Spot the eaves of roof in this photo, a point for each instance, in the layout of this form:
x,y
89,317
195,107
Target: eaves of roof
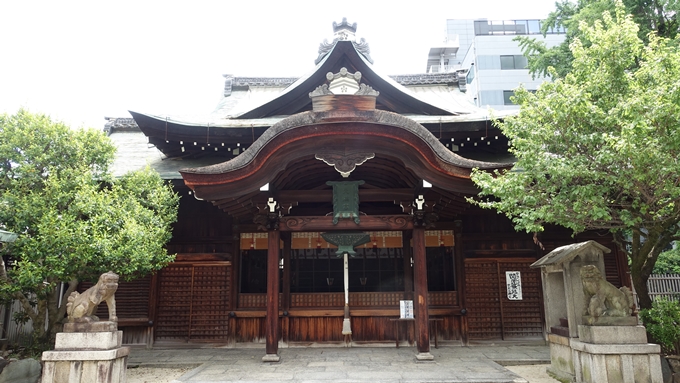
x,y
269,121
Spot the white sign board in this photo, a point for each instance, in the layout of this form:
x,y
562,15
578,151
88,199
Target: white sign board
x,y
513,280
406,309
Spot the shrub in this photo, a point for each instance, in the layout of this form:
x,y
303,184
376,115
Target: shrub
x,y
663,324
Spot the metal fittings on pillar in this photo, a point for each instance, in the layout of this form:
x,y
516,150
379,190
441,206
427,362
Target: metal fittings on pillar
x,y
422,213
268,218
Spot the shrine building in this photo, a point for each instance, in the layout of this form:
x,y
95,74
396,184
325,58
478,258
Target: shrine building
x,y
333,209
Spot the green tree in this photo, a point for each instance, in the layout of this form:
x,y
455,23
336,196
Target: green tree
x,y
599,148
73,219
651,16
668,262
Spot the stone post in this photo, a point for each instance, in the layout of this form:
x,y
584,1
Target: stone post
x,y
87,353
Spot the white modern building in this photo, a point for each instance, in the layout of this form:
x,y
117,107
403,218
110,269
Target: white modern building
x,y
494,62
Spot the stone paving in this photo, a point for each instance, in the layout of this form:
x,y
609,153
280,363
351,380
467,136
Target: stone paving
x,y
474,364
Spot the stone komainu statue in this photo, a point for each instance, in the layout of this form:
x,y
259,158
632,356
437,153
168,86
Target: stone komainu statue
x,y
81,307
602,298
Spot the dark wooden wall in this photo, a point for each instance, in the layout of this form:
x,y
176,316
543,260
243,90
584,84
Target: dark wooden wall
x,y
200,227
193,301
196,298
490,247
134,309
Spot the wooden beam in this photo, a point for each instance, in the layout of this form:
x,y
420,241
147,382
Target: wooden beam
x,y
241,211
230,202
368,222
365,195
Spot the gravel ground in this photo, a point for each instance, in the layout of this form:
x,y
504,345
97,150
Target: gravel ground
x,y
154,375
533,373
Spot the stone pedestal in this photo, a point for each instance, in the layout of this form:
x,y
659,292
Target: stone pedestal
x,y
87,353
605,354
561,358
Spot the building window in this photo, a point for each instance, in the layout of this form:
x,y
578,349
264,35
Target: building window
x,y
320,270
441,274
507,94
470,75
253,271
513,27
315,268
513,62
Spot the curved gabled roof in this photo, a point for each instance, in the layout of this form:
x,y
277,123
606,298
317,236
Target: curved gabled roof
x,y
303,135
393,96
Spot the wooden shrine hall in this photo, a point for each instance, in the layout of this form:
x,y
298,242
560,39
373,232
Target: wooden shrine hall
x,y
312,207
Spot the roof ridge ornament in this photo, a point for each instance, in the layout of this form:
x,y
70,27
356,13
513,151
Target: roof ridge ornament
x,y
362,47
344,83
344,32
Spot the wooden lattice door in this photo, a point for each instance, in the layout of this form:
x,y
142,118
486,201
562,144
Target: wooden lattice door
x,y
491,314
193,302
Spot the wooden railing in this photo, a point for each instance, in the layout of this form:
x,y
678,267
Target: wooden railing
x,y
337,300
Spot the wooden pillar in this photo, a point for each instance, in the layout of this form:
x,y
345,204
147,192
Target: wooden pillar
x,y
235,287
285,304
460,279
408,268
235,272
420,301
153,308
272,325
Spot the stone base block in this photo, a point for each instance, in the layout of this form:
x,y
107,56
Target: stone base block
x,y
561,358
612,334
610,321
424,356
104,326
271,358
613,363
88,340
108,366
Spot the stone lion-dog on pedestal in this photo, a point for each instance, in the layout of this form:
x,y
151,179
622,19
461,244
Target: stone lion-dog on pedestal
x,y
81,307
602,298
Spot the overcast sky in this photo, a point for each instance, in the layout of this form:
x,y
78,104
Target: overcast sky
x,y
80,61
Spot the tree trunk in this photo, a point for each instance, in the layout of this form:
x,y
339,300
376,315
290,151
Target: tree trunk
x,y
637,261
39,325
56,313
640,284
643,256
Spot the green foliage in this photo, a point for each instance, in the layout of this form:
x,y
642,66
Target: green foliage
x,y
663,324
75,221
598,148
30,345
668,262
659,17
